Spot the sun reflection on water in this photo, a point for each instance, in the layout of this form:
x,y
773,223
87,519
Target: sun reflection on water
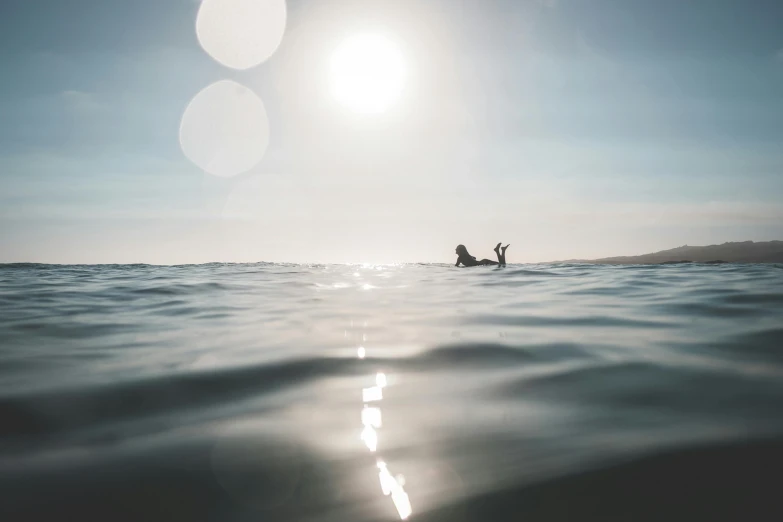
x,y
372,394
370,438
372,421
394,487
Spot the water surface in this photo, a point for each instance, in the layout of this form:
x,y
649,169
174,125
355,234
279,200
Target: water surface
x,y
239,392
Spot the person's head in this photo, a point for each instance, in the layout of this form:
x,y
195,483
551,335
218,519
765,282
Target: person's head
x,y
461,251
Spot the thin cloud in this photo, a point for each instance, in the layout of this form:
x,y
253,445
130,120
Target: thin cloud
x,y
708,213
80,101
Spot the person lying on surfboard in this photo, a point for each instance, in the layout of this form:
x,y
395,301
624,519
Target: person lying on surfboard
x,y
468,260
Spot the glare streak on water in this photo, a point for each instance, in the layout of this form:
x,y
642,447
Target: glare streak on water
x,y
296,391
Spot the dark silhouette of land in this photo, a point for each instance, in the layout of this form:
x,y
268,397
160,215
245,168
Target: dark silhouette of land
x,y
740,252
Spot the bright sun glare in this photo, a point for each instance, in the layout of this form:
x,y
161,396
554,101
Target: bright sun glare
x,y
368,73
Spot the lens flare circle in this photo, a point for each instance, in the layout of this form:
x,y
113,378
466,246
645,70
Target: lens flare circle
x,y
241,34
367,73
225,129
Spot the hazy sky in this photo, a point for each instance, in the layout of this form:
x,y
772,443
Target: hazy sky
x,y
568,128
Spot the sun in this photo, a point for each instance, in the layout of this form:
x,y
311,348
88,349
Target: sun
x,y
368,73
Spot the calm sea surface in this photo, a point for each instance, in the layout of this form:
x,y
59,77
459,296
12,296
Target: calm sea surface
x,y
274,392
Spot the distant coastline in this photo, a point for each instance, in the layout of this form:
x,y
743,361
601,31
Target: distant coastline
x,y
737,252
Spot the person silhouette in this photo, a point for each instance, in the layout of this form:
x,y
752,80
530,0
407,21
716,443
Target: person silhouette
x,y
464,257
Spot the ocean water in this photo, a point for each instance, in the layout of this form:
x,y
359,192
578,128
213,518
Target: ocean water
x,y
277,392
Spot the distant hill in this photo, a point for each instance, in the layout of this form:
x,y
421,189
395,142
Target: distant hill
x,y
741,252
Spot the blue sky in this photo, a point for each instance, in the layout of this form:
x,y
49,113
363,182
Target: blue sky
x,y
569,128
